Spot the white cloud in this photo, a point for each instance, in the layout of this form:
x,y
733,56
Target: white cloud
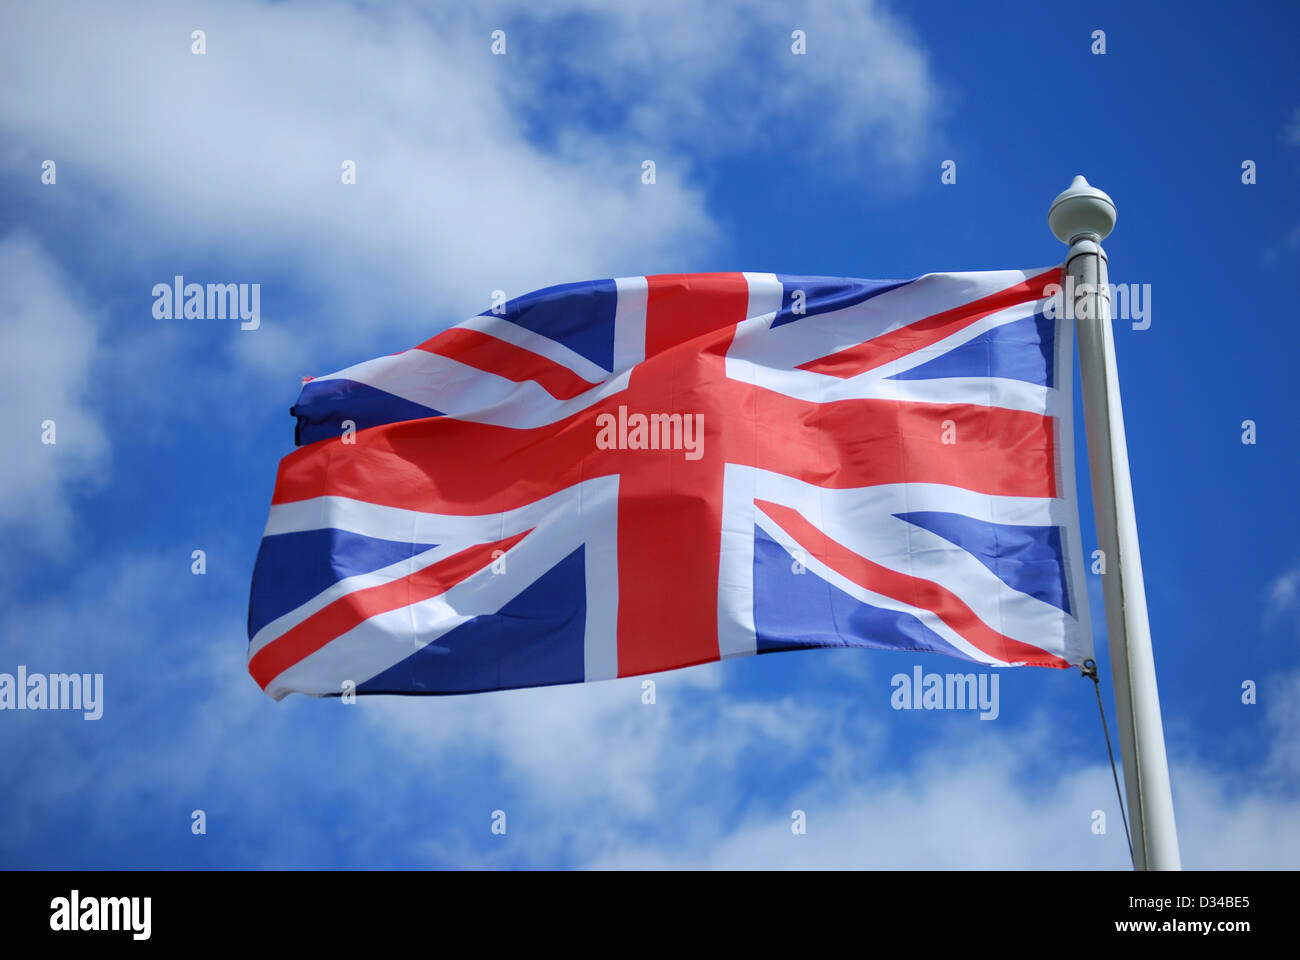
x,y
723,75
611,783
1282,599
956,807
1291,133
233,158
593,744
1285,591
1282,712
47,343
974,808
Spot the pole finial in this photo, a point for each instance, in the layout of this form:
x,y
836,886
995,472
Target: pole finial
x,y
1081,211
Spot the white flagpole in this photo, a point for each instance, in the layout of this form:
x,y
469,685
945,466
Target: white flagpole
x,y
1083,216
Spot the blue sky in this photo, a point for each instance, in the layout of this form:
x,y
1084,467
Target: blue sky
x,y
479,172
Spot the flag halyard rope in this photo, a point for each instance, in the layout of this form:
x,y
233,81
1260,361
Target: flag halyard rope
x,y
1089,669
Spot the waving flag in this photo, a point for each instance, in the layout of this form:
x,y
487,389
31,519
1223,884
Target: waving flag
x,y
627,476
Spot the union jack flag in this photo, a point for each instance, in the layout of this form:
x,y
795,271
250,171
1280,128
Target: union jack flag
x,y
626,476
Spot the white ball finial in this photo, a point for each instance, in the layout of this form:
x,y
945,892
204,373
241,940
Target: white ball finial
x,y
1081,211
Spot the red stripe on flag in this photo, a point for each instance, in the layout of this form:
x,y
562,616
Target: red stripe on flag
x,y
356,608
669,530
669,507
484,352
864,442
915,591
682,306
922,333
